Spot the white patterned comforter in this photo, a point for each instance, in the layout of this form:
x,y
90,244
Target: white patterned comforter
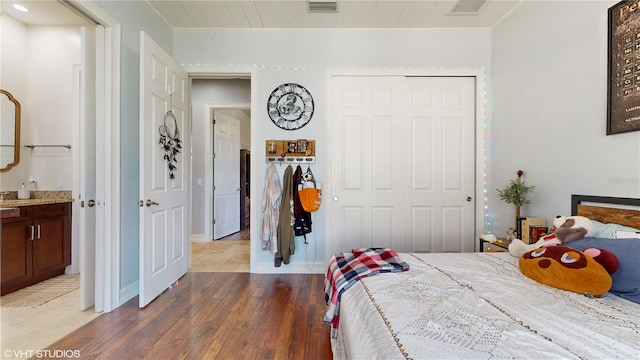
x,y
479,306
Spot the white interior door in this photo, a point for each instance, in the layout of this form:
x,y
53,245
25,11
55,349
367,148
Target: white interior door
x,y
441,119
403,168
226,175
367,176
87,171
164,206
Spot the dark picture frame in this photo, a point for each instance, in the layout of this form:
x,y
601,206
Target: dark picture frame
x,y
623,70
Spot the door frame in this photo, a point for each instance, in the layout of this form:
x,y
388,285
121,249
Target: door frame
x,y
107,132
481,118
213,72
209,159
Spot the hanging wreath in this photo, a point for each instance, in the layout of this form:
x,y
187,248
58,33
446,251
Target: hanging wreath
x,y
170,141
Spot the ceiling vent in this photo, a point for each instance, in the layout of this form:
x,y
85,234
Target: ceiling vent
x,y
467,7
323,5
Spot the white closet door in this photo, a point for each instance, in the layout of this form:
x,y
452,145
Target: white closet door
x,y
441,121
402,164
367,181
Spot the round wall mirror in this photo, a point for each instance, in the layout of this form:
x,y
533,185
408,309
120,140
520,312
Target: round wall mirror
x,y
9,131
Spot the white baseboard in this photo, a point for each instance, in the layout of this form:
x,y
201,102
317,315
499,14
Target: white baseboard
x,y
199,238
129,293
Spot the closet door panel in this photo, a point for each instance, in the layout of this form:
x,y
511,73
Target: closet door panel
x,y
403,156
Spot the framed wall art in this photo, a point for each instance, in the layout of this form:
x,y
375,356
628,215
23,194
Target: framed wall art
x,y
623,73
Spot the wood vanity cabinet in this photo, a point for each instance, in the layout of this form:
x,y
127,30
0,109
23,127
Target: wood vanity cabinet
x,y
36,245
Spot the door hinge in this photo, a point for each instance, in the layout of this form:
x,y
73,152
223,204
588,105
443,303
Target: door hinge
x,y
214,221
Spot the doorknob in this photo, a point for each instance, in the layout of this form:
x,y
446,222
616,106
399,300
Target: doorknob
x,y
468,198
91,203
149,203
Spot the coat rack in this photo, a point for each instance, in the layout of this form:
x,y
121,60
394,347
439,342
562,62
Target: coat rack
x,y
300,151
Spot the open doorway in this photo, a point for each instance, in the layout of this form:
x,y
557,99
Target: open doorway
x,y
221,159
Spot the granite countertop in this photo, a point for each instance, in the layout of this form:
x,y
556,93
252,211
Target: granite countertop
x,y
28,202
38,197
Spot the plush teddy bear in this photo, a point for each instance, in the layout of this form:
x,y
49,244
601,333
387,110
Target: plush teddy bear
x,y
564,229
569,228
517,247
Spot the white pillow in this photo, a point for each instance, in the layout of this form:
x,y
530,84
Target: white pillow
x,y
607,231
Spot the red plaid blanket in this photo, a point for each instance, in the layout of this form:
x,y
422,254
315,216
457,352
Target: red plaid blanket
x,y
345,269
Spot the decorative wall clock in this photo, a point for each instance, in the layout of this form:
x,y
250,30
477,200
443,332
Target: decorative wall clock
x,y
290,106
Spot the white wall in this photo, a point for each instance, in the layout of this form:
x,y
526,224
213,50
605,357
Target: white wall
x,y
302,56
37,68
133,17
53,51
549,110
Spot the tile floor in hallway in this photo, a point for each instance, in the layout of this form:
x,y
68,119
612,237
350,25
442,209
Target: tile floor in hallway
x,y
220,256
23,330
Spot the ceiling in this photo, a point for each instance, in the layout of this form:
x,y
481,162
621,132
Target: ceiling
x,y
286,14
42,13
350,14
290,14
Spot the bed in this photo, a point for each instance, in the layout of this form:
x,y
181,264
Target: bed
x,y
480,306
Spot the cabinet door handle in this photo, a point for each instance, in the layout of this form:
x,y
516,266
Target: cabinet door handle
x,y
31,237
38,237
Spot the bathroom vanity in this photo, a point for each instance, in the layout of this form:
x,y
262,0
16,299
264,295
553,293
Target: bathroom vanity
x,y
36,241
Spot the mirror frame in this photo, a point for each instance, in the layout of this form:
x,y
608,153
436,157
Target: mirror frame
x,y
16,143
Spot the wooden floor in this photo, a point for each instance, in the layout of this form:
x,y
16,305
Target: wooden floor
x,y
214,316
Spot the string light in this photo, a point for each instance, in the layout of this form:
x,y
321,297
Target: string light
x,y
263,66
320,69
485,134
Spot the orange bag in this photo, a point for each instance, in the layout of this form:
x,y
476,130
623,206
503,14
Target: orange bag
x,y
310,194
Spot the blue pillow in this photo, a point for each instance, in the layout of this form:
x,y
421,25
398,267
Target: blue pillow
x,y
626,281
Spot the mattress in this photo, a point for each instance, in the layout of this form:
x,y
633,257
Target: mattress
x,y
479,306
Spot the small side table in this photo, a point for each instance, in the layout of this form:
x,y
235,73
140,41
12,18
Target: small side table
x,y
497,246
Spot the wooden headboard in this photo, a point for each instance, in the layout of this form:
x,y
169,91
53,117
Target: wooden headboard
x,y
622,211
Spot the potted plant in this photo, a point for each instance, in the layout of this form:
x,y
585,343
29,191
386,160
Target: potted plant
x,y
516,193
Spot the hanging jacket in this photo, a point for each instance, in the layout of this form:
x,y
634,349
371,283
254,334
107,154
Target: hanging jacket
x,y
270,209
286,245
302,222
